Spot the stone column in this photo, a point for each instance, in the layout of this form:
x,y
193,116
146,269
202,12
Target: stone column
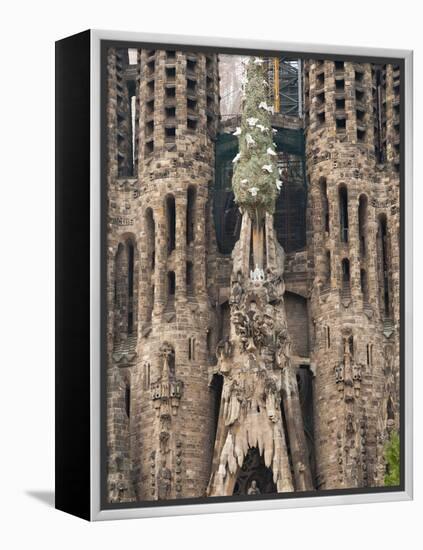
x,y
295,428
389,114
160,286
370,130
354,248
181,248
372,271
200,247
351,122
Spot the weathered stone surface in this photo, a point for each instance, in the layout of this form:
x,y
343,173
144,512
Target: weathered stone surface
x,y
173,298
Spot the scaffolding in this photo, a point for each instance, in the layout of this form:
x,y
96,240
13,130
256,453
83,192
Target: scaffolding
x,y
285,81
291,203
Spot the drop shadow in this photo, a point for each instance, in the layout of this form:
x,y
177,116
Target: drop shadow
x,y
46,497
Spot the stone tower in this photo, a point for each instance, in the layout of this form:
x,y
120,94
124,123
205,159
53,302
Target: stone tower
x,y
160,313
352,137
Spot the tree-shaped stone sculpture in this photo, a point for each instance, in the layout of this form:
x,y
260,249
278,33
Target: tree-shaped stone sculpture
x,y
259,379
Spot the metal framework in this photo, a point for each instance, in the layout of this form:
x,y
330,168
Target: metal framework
x,y
285,80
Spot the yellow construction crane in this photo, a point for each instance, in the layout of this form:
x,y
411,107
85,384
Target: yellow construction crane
x,y
277,102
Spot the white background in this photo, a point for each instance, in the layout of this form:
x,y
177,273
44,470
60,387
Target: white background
x,y
27,37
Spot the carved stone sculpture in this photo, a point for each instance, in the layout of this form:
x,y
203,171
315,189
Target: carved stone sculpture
x,y
164,482
253,489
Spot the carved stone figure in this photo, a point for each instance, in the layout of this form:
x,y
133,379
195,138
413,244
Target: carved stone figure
x,y
164,482
236,291
339,374
253,489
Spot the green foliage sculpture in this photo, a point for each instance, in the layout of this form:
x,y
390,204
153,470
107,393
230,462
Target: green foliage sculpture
x,y
256,178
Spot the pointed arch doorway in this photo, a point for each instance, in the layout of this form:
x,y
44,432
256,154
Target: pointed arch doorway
x,y
254,470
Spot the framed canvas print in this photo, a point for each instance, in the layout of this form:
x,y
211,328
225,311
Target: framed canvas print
x,y
234,299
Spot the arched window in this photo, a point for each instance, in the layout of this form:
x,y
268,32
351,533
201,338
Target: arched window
x,y
171,223
171,283
191,214
346,271
119,276
190,278
130,287
128,401
150,236
209,339
351,345
150,228
124,289
343,213
346,288
362,224
216,387
191,348
325,204
383,264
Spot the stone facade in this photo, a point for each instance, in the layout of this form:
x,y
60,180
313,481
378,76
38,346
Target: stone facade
x,y
170,290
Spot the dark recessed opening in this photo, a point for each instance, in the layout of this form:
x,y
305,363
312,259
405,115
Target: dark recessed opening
x,y
321,118
343,213
128,401
170,112
191,104
340,104
150,87
340,124
191,64
191,84
149,147
171,222
149,127
151,66
171,283
170,54
361,135
170,73
170,132
359,76
191,124
340,85
320,98
345,271
189,274
320,80
191,214
360,114
150,106
359,95
171,92
339,65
